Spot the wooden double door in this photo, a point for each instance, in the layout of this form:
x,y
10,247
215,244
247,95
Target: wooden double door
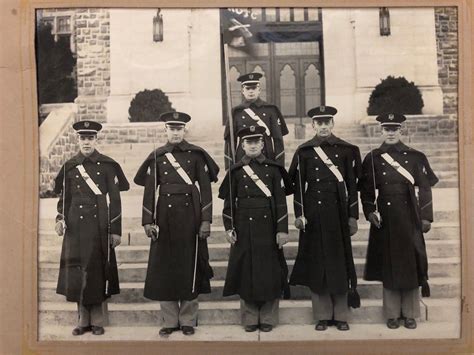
x,y
292,75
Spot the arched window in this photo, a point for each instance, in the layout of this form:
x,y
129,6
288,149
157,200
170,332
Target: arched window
x,y
235,93
288,91
263,82
312,88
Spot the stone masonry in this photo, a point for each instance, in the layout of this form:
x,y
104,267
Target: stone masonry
x,y
92,31
446,19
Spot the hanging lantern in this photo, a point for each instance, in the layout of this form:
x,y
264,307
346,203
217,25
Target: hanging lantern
x,y
158,27
384,19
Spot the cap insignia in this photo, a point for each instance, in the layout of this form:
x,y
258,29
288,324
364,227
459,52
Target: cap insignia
x,y
391,116
322,108
252,128
176,115
86,124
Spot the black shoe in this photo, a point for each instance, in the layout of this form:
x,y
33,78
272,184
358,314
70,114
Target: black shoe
x,y
322,325
97,330
266,327
187,330
392,323
342,326
251,328
410,323
167,331
80,330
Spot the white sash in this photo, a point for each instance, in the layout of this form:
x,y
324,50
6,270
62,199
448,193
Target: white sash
x,y
329,163
257,180
88,180
400,169
178,168
258,120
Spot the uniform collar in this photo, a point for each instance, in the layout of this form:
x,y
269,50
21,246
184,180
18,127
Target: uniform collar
x,y
93,157
258,103
399,147
332,140
246,159
183,145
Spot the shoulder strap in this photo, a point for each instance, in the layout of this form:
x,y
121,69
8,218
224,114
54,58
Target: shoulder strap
x,y
400,169
88,180
258,120
320,152
257,180
178,168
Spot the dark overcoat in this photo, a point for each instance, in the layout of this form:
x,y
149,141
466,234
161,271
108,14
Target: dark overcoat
x,y
272,117
324,261
396,253
256,270
83,266
180,209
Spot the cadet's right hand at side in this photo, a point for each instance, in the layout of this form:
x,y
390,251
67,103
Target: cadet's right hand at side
x,y
231,236
374,219
60,227
151,231
300,222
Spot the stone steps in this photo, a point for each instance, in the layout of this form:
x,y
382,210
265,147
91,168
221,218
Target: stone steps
x,y
223,312
220,251
136,272
439,231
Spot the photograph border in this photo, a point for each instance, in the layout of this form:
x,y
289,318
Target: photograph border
x,y
20,186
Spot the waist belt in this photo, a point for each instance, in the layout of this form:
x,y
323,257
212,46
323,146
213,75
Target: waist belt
x,y
176,189
254,202
84,200
393,189
323,186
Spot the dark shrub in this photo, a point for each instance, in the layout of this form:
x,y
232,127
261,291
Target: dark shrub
x,y
395,95
148,105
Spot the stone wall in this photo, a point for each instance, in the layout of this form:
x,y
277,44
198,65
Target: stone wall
x,y
439,127
446,19
145,132
92,30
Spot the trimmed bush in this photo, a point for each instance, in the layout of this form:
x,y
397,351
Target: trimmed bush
x,y
148,105
395,95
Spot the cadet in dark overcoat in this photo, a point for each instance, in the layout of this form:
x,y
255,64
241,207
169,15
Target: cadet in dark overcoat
x,y
324,171
253,111
178,223
256,221
396,253
91,228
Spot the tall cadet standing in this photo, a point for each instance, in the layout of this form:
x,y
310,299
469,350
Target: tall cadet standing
x,y
396,253
91,226
178,222
325,170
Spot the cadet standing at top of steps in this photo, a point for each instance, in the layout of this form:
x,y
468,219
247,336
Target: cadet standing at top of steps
x,y
178,223
396,253
91,226
325,171
256,221
253,111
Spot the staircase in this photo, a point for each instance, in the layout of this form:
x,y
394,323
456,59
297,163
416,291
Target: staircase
x,y
131,309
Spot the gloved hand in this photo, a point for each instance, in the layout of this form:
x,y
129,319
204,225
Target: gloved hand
x,y
151,231
300,222
60,227
115,240
231,236
282,239
375,220
353,228
425,226
205,229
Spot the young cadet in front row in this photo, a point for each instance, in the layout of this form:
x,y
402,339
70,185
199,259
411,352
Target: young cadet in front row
x,y
396,253
256,221
91,227
178,223
325,171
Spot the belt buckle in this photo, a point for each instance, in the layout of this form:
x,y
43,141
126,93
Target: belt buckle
x,y
254,177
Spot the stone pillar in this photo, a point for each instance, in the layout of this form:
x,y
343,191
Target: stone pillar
x,y
446,20
92,29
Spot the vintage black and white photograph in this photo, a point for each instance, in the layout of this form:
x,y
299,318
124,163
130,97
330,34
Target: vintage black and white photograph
x,y
248,174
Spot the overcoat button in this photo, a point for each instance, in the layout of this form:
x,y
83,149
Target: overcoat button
x,y
251,219
98,173
81,217
388,203
80,206
169,206
78,186
98,163
319,202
